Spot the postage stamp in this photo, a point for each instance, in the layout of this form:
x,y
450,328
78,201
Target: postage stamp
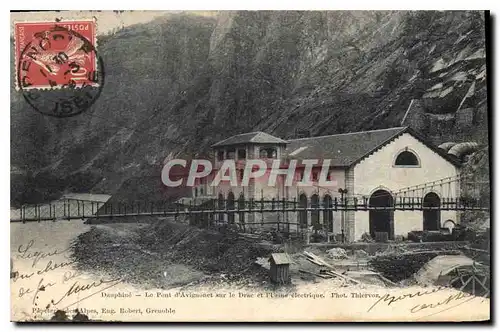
x,y
57,66
55,54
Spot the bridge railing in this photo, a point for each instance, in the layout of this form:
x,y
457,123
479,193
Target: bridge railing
x,y
61,209
79,209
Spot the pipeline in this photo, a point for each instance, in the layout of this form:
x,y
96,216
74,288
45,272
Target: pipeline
x,y
446,146
461,149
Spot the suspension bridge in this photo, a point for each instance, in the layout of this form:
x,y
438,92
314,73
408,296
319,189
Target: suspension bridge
x,y
404,199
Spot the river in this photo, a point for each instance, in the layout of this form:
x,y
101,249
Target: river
x,y
41,256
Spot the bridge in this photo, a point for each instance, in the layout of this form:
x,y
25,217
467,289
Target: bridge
x,y
405,199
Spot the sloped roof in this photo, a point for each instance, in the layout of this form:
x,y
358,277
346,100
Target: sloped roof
x,y
255,137
281,258
344,150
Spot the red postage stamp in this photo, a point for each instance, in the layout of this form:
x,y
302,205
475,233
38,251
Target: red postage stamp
x,y
55,54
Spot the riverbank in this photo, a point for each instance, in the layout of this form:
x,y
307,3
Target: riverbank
x,y
164,254
154,252
182,270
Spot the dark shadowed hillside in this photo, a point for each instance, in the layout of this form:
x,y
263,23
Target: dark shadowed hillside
x,y
180,83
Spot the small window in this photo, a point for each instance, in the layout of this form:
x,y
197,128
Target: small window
x,y
231,153
220,155
268,153
242,154
406,158
301,175
315,175
271,153
329,176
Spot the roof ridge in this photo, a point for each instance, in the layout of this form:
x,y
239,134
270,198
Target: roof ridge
x,y
228,138
251,132
350,133
251,137
260,133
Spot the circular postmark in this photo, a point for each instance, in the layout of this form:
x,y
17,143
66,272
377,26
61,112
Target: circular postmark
x,y
59,71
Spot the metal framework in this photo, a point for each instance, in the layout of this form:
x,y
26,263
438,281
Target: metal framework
x,y
69,209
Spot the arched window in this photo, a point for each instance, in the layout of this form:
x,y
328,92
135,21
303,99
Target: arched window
x,y
220,155
241,206
231,153
315,212
267,153
230,206
242,154
220,206
406,158
302,215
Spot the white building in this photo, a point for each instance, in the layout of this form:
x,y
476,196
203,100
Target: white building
x,y
374,167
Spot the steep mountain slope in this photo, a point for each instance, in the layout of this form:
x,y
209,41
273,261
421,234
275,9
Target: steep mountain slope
x,y
178,84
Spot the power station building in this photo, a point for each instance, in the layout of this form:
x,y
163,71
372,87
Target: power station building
x,y
375,167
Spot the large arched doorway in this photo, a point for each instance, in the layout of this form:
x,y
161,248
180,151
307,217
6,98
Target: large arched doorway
x,y
381,220
315,213
432,217
328,213
302,213
230,206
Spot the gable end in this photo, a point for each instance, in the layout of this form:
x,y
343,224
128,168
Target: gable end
x,y
451,159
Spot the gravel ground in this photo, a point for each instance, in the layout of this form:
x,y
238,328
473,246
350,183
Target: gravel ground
x,y
165,254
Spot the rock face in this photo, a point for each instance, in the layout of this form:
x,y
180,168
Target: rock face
x,y
178,84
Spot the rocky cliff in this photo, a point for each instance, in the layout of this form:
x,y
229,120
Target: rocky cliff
x,y
178,84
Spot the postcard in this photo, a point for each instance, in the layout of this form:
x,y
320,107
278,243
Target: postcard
x,y
250,166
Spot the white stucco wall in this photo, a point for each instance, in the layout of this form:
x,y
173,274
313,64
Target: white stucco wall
x,y
378,172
